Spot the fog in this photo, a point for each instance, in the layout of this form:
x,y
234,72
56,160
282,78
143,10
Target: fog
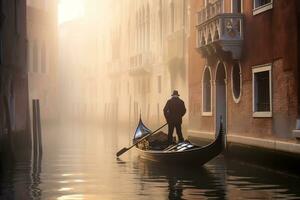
x,y
118,60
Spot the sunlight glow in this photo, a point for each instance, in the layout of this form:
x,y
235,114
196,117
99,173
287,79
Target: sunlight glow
x,y
67,175
72,196
70,9
65,189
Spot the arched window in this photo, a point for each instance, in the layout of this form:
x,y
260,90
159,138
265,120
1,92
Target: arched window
x,y
206,92
236,82
137,30
35,57
172,16
148,26
143,28
160,22
43,58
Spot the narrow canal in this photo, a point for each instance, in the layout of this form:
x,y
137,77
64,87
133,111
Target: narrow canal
x,y
79,163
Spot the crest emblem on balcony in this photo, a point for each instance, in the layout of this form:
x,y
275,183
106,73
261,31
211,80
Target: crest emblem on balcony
x,y
229,29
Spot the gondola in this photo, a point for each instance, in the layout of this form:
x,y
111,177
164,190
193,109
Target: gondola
x,y
184,153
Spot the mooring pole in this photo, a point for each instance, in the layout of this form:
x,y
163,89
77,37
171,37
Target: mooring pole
x,y
34,128
37,131
38,115
37,147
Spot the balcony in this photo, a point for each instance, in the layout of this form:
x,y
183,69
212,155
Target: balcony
x,y
140,64
219,31
210,11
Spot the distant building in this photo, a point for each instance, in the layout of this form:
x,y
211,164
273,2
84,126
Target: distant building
x,y
146,59
79,73
244,66
42,55
14,113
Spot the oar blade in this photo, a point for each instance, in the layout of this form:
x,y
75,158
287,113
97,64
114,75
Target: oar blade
x,y
121,152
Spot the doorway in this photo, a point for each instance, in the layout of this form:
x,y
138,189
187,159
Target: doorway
x,y
221,93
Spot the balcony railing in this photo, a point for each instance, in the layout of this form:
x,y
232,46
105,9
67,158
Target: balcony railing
x,y
140,64
224,31
210,11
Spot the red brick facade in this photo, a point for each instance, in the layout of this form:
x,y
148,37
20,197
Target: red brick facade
x,y
270,37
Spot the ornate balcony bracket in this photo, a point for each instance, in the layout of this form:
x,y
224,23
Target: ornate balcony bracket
x,y
223,32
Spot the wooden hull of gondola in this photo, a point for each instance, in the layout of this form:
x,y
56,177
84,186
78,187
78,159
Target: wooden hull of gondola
x,y
196,156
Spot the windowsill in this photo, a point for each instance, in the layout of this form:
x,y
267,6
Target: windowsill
x,y
206,114
262,114
296,134
263,8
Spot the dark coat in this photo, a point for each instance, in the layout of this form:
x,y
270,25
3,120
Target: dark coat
x,y
174,110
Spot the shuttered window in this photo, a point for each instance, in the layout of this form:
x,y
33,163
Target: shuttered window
x,y
262,91
206,93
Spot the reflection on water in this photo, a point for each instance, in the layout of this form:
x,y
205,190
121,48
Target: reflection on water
x,y
79,163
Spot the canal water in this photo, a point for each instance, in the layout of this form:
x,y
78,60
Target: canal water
x,y
79,162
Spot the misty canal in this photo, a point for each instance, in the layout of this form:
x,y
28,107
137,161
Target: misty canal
x,y
73,72
79,162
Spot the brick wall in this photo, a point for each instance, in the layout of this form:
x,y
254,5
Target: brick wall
x,y
269,37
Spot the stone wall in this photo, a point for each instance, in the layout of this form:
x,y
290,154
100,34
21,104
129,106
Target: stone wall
x,y
14,114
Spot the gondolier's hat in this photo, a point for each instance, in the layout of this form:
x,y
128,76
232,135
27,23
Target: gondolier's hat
x,y
175,93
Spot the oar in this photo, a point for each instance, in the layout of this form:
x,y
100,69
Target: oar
x,y
146,136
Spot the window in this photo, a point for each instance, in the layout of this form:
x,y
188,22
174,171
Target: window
x,y
236,82
160,23
27,55
43,58
128,87
260,6
148,85
35,57
159,84
236,6
206,93
172,16
262,91
148,27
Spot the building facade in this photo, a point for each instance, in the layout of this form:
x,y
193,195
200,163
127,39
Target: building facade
x,y
146,59
79,74
81,63
14,114
244,67
42,31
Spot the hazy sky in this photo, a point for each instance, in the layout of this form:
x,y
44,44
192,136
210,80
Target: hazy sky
x,y
70,9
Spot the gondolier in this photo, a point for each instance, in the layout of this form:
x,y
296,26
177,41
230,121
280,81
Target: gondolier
x,y
174,110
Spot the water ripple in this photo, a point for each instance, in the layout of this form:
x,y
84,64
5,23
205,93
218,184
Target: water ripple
x,y
82,165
